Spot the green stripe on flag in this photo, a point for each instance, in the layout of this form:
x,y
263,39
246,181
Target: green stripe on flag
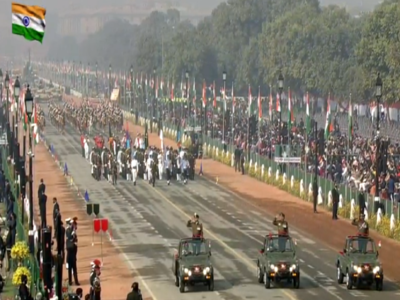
x,y
28,33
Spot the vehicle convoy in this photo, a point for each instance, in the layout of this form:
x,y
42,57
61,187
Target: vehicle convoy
x,y
358,263
192,264
277,261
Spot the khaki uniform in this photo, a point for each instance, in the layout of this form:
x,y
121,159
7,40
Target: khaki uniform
x,y
363,227
283,226
197,227
363,233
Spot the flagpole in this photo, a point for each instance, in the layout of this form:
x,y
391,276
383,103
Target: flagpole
x,y
224,112
259,123
232,121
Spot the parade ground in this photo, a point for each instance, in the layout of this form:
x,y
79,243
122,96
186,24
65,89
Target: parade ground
x,y
117,276
146,224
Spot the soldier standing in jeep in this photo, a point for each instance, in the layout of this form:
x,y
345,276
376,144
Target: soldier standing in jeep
x,y
363,231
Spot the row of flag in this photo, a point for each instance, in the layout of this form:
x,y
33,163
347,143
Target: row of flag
x,y
167,88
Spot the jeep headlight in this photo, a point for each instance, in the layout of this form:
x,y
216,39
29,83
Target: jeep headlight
x,y
186,270
274,268
206,271
376,269
292,268
355,268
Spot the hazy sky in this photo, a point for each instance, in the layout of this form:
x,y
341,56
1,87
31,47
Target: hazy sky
x,y
15,44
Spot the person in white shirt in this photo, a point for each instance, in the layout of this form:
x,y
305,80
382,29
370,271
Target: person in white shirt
x,y
168,166
134,169
160,165
141,143
119,155
86,146
184,168
91,161
149,164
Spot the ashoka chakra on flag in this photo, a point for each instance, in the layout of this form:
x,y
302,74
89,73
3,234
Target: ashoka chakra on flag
x,y
28,21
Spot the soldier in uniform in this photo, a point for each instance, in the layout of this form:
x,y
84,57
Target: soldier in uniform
x,y
149,166
363,232
196,225
184,167
114,172
160,165
283,230
168,166
91,159
104,161
335,202
119,160
134,168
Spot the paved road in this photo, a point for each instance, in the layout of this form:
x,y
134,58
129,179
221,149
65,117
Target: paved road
x,y
147,223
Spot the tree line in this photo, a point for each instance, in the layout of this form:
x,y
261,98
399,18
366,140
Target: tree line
x,y
321,50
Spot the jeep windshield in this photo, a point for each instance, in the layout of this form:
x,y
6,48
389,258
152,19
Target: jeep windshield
x,y
194,248
361,245
280,244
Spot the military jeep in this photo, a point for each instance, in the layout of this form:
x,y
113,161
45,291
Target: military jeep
x,y
358,263
192,264
277,261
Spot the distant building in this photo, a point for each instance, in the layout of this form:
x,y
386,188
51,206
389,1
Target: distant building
x,y
83,22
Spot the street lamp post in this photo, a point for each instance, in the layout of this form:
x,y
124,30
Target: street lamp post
x,y
17,89
1,97
223,115
6,83
315,179
378,94
280,87
87,77
109,82
153,102
187,95
16,145
97,81
131,78
29,111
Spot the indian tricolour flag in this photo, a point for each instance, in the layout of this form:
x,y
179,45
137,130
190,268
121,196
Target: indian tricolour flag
x,y
28,21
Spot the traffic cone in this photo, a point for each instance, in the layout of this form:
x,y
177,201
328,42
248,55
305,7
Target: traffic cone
x,y
86,196
201,169
65,169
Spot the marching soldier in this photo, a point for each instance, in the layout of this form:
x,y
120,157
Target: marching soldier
x,y
184,167
168,166
149,166
119,156
91,159
114,172
109,167
134,168
160,165
363,232
104,161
